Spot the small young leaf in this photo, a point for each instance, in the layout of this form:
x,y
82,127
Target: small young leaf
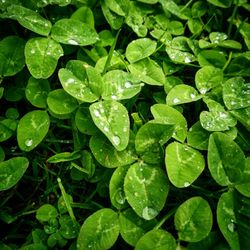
x,y
197,137
226,160
184,164
7,129
236,93
221,3
11,55
242,115
46,212
118,85
116,190
226,219
30,19
217,119
112,119
146,188
212,58
193,219
167,115
133,227
140,49
69,229
148,71
46,53
84,122
150,139
64,157
178,56
37,91
78,83
207,78
217,37
182,93
85,15
156,239
99,231
60,102
11,171
32,129
109,156
73,32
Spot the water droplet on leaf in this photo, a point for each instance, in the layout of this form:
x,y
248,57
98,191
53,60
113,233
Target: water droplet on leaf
x,y
149,213
73,42
186,184
97,113
116,140
119,197
176,100
29,142
128,85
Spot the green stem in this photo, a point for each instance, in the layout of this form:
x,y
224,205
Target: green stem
x,y
232,19
111,53
184,7
65,198
166,217
228,61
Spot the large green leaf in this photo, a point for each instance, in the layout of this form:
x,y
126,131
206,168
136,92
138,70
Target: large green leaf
x,y
244,188
118,85
41,55
11,55
184,164
99,231
30,19
156,239
109,156
193,219
73,32
133,227
32,128
226,160
167,115
11,171
111,117
242,214
236,93
242,115
140,49
146,188
227,221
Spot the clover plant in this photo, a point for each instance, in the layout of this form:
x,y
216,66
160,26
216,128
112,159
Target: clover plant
x,y
125,124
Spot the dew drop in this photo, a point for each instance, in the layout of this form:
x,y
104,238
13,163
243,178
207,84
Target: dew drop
x,y
187,60
106,129
48,53
231,227
203,91
102,110
97,113
222,115
70,80
149,213
176,100
32,51
192,96
28,142
186,184
128,85
119,197
116,140
113,97
73,42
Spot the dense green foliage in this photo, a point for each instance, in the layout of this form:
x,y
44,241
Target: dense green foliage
x,y
125,124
